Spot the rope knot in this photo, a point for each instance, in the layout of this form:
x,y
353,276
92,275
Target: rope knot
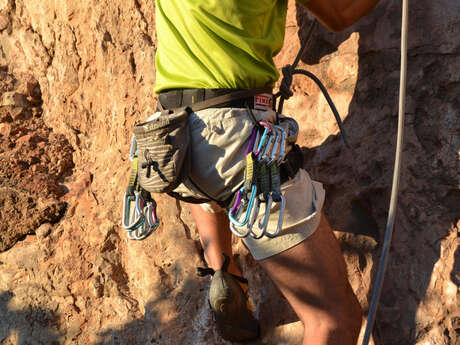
x,y
285,87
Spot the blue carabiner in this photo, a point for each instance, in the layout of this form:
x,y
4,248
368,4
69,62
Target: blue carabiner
x,y
248,211
233,229
261,145
254,212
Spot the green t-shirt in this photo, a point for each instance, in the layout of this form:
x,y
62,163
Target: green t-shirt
x,y
218,43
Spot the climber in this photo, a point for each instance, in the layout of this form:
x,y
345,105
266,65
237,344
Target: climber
x,y
212,48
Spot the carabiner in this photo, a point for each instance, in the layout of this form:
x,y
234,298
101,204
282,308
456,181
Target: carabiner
x,y
133,149
237,202
140,233
264,156
275,147
139,199
264,138
150,212
277,197
256,143
264,222
282,153
252,140
248,210
254,213
233,227
150,223
131,219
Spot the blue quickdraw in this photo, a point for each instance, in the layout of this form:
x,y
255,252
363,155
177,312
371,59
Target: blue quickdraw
x,y
252,197
261,183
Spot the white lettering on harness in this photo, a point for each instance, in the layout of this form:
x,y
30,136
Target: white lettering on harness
x,y
263,101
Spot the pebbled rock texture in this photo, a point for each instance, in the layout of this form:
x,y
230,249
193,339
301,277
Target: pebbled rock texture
x,y
76,76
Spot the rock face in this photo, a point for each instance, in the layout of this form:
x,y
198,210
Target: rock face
x,y
76,76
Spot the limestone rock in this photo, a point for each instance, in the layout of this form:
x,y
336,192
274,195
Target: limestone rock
x,y
85,74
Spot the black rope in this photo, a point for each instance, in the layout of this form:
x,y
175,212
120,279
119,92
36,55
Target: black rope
x,y
328,99
289,71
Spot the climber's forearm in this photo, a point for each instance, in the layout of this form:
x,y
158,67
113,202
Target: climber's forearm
x,y
338,15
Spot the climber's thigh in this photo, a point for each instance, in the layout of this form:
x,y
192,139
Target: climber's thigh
x,y
313,278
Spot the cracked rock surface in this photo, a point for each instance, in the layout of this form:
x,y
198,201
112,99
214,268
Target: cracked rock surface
x,y
76,76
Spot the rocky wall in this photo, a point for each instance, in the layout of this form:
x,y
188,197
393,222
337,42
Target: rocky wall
x,y
76,76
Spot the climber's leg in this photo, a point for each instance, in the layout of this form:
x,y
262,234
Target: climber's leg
x,y
313,278
216,237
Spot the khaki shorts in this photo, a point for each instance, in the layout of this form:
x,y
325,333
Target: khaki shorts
x,y
219,138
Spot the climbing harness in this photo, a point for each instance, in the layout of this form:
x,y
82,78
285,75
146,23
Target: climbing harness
x,y
160,155
396,175
262,181
160,159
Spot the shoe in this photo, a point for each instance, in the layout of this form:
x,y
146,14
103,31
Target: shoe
x,y
228,303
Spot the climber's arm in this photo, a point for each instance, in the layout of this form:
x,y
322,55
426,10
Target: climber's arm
x,y
338,15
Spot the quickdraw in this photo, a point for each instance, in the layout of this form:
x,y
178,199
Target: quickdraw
x,y
261,183
139,217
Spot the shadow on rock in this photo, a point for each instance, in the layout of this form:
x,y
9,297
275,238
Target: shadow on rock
x,y
181,315
178,315
358,181
27,326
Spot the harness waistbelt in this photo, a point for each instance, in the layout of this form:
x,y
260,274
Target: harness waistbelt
x,y
187,97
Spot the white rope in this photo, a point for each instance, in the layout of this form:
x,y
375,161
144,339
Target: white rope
x,y
396,175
